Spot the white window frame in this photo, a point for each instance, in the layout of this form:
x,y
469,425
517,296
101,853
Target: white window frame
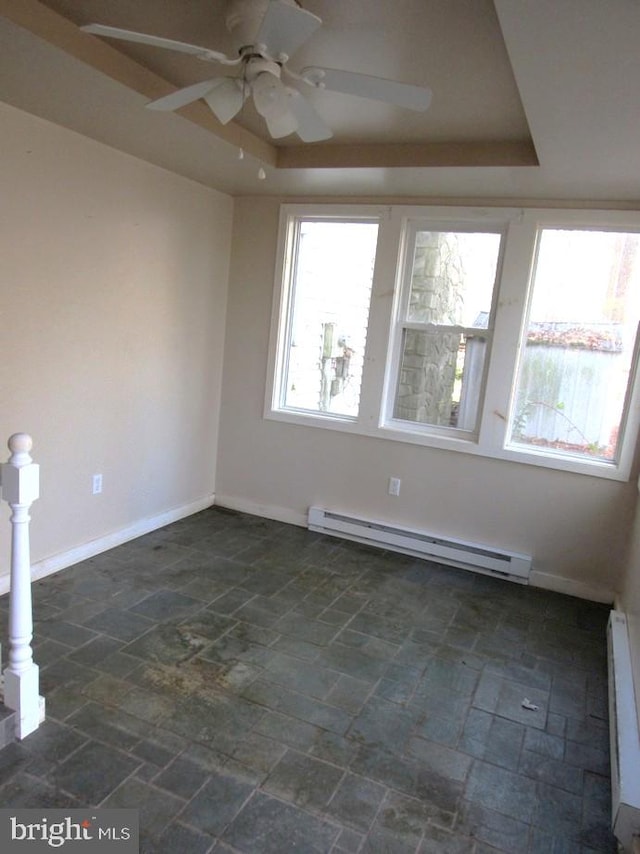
x,y
400,323
512,296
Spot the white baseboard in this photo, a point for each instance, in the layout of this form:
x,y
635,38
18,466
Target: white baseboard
x,y
268,511
558,584
53,564
50,565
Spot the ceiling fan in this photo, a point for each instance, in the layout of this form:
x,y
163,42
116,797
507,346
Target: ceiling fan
x,y
266,33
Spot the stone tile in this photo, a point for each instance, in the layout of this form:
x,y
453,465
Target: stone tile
x,y
500,831
568,700
119,624
558,812
353,663
399,824
155,808
314,712
24,791
439,795
587,757
109,725
95,651
440,730
476,732
254,634
167,643
298,648
107,689
296,674
50,744
13,758
450,675
118,664
288,731
63,632
552,771
206,624
182,777
297,626
350,693
230,648
229,601
544,743
154,753
356,802
216,804
504,743
333,748
303,780
502,791
438,841
442,760
184,840
93,772
349,841
381,724
216,722
268,826
394,692
165,605
259,753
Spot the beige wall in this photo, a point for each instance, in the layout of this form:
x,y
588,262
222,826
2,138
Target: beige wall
x,y
113,276
629,600
573,525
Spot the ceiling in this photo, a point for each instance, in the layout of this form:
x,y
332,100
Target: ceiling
x,y
532,99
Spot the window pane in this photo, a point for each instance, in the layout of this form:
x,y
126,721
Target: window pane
x,y
452,278
333,273
440,378
580,343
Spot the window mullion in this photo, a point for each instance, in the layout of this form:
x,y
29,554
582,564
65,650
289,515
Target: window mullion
x,y
507,332
384,291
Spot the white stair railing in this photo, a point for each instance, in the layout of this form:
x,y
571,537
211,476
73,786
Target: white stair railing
x,y
20,488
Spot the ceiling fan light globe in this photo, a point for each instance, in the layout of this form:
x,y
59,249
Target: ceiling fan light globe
x,y
226,100
282,124
268,94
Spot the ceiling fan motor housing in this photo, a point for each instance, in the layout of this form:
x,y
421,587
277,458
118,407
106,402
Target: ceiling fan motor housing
x,y
244,19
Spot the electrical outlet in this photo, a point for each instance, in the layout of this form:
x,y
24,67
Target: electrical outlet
x,y
394,486
97,484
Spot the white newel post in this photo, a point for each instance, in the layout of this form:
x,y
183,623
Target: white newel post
x,y
20,488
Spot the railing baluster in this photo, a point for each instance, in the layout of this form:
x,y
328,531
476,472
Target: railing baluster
x,y
20,488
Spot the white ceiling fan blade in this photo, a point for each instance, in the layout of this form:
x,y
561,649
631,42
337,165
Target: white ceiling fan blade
x,y
285,28
156,41
390,91
184,96
226,99
311,128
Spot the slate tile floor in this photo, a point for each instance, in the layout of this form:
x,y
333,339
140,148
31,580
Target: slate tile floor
x,y
253,687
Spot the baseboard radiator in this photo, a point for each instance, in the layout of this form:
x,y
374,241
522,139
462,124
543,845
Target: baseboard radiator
x,y
624,736
465,555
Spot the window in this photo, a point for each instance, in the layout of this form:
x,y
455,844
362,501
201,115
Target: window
x,y
329,289
579,344
501,332
445,326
